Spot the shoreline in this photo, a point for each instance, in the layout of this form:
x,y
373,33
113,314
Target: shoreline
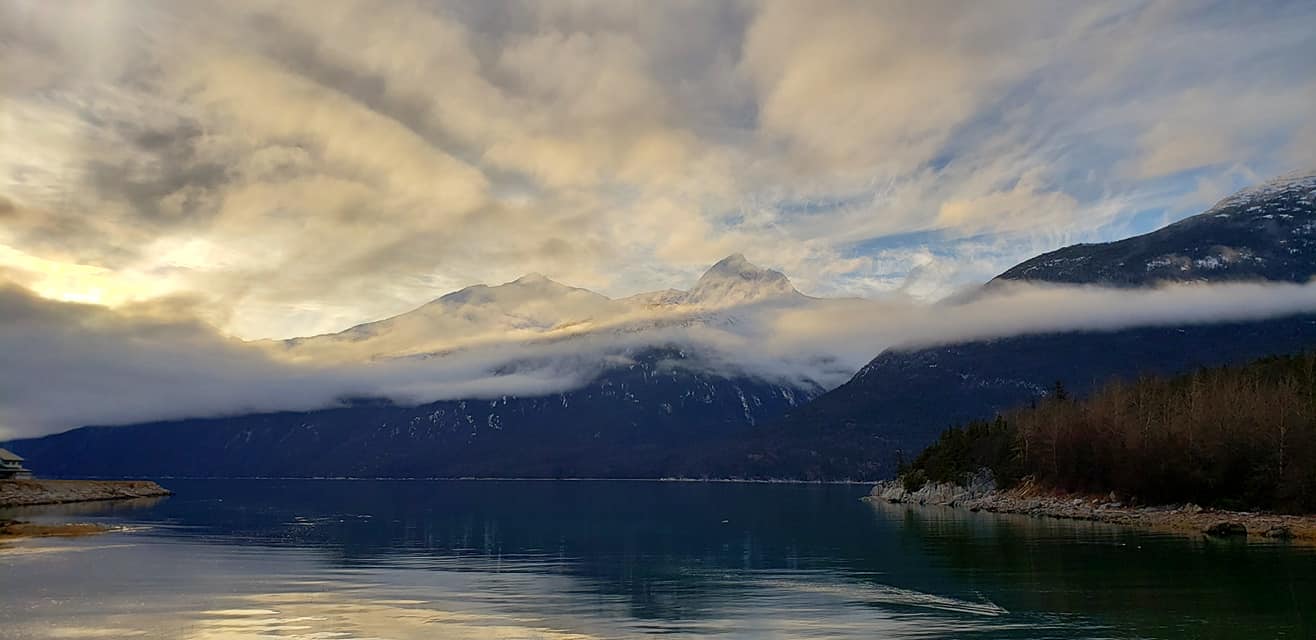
x,y
507,479
28,493
15,530
1029,500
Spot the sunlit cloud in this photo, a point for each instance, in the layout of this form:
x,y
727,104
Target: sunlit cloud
x,y
297,170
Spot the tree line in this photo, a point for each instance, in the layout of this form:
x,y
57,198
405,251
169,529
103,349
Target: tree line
x,y
1239,437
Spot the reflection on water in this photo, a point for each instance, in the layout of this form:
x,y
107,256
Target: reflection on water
x,y
340,613
70,510
400,559
1159,585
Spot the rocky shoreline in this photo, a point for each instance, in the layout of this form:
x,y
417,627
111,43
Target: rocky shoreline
x,y
979,493
11,530
23,493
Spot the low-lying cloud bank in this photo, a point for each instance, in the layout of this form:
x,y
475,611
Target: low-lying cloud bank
x,y
69,364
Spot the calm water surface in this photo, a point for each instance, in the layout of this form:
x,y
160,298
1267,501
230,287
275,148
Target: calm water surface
x,y
492,559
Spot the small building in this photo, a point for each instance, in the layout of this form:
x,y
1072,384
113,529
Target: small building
x,y
11,466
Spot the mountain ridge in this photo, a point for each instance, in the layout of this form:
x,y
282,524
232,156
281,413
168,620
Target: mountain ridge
x,y
904,397
534,306
650,404
1265,232
734,427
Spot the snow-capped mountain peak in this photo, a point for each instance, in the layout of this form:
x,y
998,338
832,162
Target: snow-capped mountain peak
x,y
531,285
533,278
1295,184
661,298
736,280
734,264
535,306
1265,232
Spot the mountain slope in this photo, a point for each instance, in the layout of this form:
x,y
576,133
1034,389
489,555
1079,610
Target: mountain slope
x,y
527,307
735,280
535,307
900,401
657,405
632,421
648,391
1266,232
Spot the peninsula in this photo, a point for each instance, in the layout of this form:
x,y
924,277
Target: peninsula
x,y
24,493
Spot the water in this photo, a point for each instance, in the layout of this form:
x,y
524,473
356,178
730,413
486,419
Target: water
x,y
580,560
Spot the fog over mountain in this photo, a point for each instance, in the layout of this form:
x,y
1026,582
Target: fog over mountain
x,y
536,307
1247,258
130,365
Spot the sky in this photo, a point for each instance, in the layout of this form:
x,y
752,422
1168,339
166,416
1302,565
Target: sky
x,y
292,168
181,181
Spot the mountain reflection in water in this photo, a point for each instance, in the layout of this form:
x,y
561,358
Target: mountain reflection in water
x,y
525,559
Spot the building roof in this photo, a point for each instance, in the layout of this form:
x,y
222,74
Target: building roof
x,y
10,456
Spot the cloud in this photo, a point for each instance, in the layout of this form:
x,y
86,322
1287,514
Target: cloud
x,y
298,170
864,327
143,363
71,364
863,85
1023,203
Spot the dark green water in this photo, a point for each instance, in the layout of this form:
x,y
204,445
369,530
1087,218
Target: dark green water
x,y
483,559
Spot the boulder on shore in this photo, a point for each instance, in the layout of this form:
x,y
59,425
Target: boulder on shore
x,y
1278,532
975,486
1226,530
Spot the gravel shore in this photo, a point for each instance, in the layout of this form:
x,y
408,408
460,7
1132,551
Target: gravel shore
x,y
11,530
22,493
979,493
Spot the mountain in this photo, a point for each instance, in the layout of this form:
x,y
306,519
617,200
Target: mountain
x,y
634,420
734,280
1266,232
645,400
536,307
904,398
686,382
527,307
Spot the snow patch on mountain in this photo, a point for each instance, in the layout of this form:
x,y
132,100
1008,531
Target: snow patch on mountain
x,y
735,280
1261,233
535,307
1299,184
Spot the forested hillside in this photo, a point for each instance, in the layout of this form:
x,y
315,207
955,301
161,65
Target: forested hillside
x,y
1241,437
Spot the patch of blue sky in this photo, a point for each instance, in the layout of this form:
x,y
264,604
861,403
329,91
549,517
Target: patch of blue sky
x,y
822,205
1137,224
935,241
